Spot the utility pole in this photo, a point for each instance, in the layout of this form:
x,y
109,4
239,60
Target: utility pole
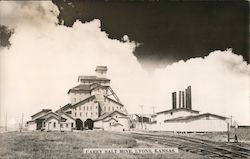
x,y
6,122
153,113
22,122
142,115
60,118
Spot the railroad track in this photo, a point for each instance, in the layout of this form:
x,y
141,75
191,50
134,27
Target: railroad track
x,y
206,148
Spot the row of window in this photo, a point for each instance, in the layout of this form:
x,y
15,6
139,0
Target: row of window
x,y
86,114
62,125
85,108
109,108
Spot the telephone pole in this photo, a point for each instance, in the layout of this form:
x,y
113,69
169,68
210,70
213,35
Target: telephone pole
x,y
6,122
142,115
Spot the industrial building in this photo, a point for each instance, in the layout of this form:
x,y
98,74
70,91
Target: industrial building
x,y
92,104
182,118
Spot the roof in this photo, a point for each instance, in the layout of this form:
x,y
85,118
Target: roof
x,y
80,88
92,78
67,115
102,68
116,124
176,110
86,100
85,87
194,117
42,111
110,119
108,114
113,100
45,116
64,108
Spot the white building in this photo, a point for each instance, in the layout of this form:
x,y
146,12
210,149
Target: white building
x,y
113,121
184,119
51,121
89,100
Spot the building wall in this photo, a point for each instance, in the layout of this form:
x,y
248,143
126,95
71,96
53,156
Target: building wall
x,y
31,126
86,111
77,97
199,125
164,116
53,124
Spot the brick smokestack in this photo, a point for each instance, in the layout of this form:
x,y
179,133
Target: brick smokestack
x,y
183,99
179,99
174,102
186,96
189,100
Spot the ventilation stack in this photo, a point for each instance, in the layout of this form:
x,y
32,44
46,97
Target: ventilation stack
x,y
174,102
183,99
189,98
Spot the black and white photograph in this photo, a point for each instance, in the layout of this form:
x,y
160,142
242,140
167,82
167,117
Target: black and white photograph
x,y
124,79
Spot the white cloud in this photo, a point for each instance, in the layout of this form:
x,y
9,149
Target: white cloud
x,y
42,64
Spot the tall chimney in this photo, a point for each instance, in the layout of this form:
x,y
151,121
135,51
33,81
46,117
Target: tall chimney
x,y
183,99
179,99
186,96
189,97
174,100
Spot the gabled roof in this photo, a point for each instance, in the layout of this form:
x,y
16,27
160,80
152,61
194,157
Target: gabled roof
x,y
113,100
178,109
195,117
86,88
116,124
108,114
64,108
92,78
42,111
69,116
80,88
111,118
86,100
48,115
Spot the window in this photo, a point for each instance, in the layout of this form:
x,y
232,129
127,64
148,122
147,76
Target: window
x,y
171,113
84,108
67,125
80,114
96,107
75,113
90,107
72,125
80,108
108,108
87,108
54,124
113,108
61,125
91,114
86,113
44,124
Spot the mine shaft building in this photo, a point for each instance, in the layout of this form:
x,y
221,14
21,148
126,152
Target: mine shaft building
x,y
94,101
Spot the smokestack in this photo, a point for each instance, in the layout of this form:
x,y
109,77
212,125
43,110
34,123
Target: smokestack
x,y
186,96
174,100
179,99
183,99
189,97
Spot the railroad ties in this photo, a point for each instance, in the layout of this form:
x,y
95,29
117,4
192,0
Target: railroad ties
x,y
202,147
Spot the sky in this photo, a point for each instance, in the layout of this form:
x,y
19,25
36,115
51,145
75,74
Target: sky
x,y
45,58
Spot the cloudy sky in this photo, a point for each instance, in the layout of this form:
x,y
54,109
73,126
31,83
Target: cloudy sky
x,y
151,49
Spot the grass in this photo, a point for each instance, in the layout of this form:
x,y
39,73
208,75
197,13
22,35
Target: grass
x,y
68,145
